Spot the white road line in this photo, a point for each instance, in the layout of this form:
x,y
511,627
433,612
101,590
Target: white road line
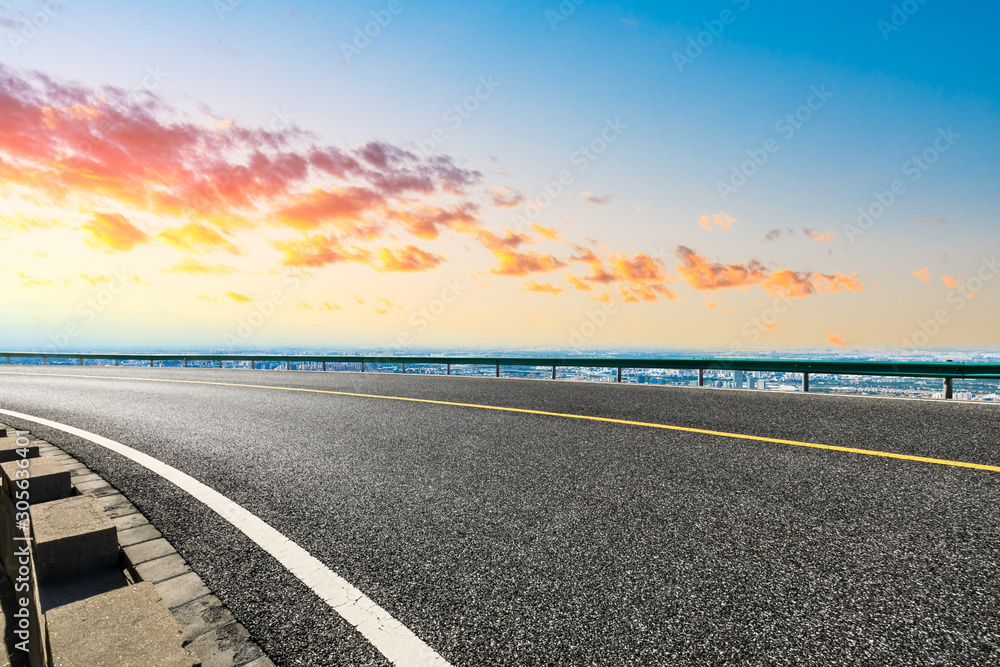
x,y
394,640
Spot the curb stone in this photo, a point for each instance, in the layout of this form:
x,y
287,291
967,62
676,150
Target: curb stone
x,y
210,630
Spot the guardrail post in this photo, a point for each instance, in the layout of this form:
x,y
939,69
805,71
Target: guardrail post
x,y
116,362
362,366
701,377
805,382
81,361
324,365
185,363
8,360
553,372
45,362
619,374
288,364
220,363
948,387
404,368
448,371
498,369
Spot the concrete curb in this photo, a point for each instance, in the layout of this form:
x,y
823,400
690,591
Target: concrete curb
x,y
209,630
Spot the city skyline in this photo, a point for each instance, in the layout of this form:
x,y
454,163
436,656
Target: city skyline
x,y
579,175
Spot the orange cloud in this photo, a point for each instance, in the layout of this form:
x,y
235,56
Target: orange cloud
x,y
598,272
514,263
603,297
641,268
703,275
317,251
320,207
635,293
195,268
547,288
835,339
817,236
409,259
576,283
239,298
548,232
924,274
642,278
64,141
637,278
788,284
950,282
831,284
510,239
202,183
426,221
111,231
195,237
720,220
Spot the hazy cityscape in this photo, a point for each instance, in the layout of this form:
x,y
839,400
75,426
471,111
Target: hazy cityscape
x,y
919,387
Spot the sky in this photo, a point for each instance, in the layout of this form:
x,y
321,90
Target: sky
x,y
396,175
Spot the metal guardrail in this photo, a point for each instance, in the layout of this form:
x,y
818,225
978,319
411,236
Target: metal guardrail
x,y
948,370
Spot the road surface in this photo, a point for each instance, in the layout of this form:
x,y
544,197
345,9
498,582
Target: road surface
x,y
553,534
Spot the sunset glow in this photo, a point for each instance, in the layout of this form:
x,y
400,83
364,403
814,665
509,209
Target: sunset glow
x,y
208,164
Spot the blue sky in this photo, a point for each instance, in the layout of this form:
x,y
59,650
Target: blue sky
x,y
561,72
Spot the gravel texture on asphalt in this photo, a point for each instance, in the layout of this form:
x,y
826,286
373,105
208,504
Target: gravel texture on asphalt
x,y
516,539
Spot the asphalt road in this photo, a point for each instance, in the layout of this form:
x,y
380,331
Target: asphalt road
x,y
504,538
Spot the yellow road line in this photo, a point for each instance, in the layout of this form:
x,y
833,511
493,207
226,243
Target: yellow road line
x,y
688,429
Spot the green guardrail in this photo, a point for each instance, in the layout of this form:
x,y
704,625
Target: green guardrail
x,y
947,370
